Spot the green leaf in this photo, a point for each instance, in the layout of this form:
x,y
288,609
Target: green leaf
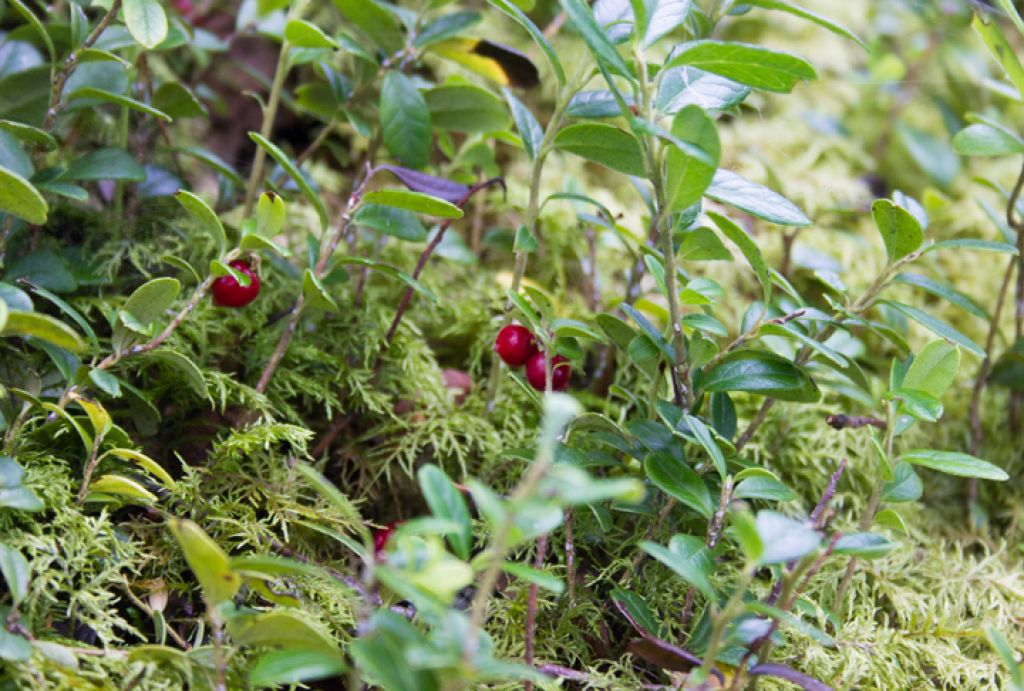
x,y
445,501
757,200
784,538
689,558
688,177
604,144
465,108
143,461
530,131
933,155
38,27
809,15
303,34
536,34
678,480
972,244
992,35
946,292
44,327
906,485
983,139
206,216
934,369
446,26
150,300
271,214
178,101
285,628
701,244
901,232
864,545
996,639
188,370
582,19
405,120
207,560
146,21
684,86
665,17
391,221
704,438
13,646
534,576
413,201
761,487
754,66
316,294
120,486
293,172
936,326
918,404
749,249
20,198
954,463
29,134
119,99
294,666
762,373
376,22
744,530
104,164
16,572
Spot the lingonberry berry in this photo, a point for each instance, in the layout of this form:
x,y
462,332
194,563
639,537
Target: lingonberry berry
x,y
560,372
381,537
228,292
515,345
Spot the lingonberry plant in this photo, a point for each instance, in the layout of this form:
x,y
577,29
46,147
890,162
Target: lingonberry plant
x,y
511,344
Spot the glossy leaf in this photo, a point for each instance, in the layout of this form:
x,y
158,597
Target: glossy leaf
x,y
757,200
414,201
754,66
445,501
687,177
762,373
295,174
954,463
20,198
404,120
207,560
44,327
604,144
689,558
146,21
678,480
901,232
206,217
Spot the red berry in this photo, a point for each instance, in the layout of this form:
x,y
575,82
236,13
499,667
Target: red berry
x,y
228,292
515,345
381,537
560,372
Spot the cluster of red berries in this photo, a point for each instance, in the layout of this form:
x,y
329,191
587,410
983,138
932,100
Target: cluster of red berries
x,y
517,346
228,292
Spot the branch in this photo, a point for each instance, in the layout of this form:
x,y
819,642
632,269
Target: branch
x,y
60,81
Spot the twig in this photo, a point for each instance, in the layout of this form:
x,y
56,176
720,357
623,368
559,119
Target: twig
x,y
981,379
830,491
326,252
403,304
841,421
531,607
90,467
570,558
60,81
1016,397
564,672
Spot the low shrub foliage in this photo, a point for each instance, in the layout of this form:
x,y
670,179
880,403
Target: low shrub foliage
x,y
675,344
